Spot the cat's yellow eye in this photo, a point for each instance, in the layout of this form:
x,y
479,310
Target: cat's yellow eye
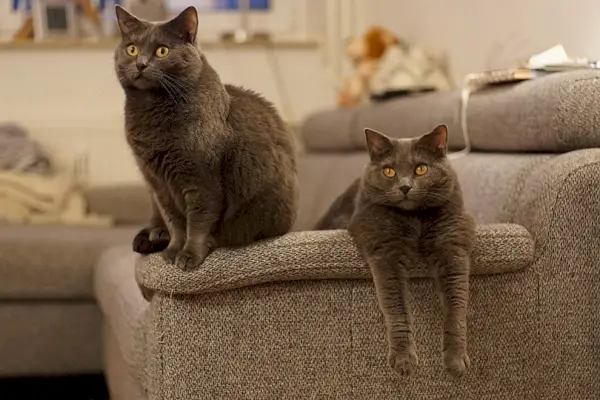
x,y
421,169
161,52
132,50
389,172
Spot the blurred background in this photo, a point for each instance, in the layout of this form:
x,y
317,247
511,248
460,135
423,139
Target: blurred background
x,y
62,90
64,160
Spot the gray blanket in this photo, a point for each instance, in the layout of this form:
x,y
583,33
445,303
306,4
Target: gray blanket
x,y
18,152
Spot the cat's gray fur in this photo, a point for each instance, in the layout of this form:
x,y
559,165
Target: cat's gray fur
x,y
396,231
219,160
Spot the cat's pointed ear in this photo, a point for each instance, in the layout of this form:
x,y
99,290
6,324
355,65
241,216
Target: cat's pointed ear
x,y
436,141
185,25
128,23
378,144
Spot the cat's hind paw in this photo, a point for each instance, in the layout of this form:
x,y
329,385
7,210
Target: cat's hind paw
x,y
403,362
150,240
456,362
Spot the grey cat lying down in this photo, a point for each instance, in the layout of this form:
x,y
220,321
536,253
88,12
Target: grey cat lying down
x,y
218,159
408,209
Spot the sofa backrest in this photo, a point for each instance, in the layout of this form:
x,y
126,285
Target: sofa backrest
x,y
490,182
555,113
511,128
127,204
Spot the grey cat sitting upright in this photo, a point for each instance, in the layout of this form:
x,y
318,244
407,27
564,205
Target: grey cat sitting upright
x,y
219,160
407,211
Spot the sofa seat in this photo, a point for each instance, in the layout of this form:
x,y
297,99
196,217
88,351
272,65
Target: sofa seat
x,y
53,262
49,321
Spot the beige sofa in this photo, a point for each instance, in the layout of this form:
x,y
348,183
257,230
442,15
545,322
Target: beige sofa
x,y
49,321
296,317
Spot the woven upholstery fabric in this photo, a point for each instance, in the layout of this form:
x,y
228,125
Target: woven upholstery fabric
x,y
53,262
560,206
533,333
556,113
319,255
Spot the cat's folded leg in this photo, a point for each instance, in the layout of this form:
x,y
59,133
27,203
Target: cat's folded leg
x,y
174,221
203,211
155,236
453,287
391,286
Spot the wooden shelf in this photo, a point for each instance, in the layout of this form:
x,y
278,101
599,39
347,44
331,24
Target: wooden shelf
x,y
109,44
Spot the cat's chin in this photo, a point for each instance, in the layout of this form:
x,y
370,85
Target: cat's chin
x,y
407,205
143,83
139,82
402,204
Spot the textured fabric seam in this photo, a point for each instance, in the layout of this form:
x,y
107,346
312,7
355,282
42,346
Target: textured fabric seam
x,y
352,322
511,206
312,243
161,348
553,210
317,266
278,270
222,285
562,136
540,342
557,119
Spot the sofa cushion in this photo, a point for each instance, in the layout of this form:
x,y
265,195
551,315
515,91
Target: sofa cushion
x,y
49,338
555,113
120,299
318,255
127,204
53,262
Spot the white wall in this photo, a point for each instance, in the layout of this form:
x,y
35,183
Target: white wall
x,y
70,99
480,34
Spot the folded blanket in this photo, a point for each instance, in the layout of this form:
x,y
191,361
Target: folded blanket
x,y
28,198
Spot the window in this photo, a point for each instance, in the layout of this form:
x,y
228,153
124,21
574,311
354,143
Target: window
x,y
283,19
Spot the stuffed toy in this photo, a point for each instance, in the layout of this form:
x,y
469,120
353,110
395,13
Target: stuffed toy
x,y
364,53
383,63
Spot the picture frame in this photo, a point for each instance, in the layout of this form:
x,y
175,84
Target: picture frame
x,y
54,19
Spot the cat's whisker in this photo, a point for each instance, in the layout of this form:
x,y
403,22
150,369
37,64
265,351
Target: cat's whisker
x,y
175,88
442,198
175,85
168,91
173,92
175,80
179,81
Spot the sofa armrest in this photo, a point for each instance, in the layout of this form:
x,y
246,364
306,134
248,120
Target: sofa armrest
x,y
557,201
316,255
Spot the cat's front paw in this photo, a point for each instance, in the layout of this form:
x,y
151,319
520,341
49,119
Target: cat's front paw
x,y
456,362
170,254
188,260
150,240
403,362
